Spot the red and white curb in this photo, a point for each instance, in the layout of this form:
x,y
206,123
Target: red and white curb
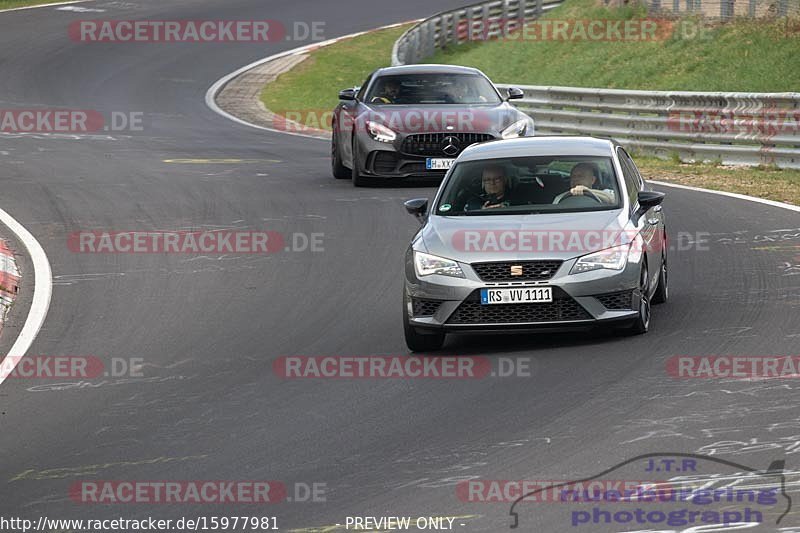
x,y
9,281
214,90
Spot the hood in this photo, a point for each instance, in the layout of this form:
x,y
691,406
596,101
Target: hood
x,y
473,239
411,119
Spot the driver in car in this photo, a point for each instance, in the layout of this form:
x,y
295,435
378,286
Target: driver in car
x,y
495,187
389,93
583,179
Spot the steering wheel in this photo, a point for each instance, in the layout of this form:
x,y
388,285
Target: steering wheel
x,y
586,192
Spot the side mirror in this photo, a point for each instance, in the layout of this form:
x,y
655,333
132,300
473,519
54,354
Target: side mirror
x,y
347,94
515,93
418,207
647,200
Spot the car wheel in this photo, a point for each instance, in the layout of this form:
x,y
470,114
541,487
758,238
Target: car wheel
x,y
340,172
662,291
642,321
421,342
358,179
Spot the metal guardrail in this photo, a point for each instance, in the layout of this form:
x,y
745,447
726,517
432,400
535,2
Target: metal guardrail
x,y
733,128
460,25
724,9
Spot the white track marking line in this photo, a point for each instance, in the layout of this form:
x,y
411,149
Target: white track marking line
x,y
54,4
42,291
738,196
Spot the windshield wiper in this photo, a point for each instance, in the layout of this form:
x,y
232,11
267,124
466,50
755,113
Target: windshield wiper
x,y
489,212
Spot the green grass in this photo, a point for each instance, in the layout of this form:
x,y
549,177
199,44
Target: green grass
x,y
742,55
782,185
8,4
758,56
314,85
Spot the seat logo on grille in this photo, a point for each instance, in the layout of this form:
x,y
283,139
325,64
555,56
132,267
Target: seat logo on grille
x,y
450,145
516,270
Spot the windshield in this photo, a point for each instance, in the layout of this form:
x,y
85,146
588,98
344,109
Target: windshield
x,y
432,89
525,185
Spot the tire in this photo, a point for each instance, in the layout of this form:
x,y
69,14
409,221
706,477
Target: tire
x,y
662,290
340,172
641,323
421,342
358,179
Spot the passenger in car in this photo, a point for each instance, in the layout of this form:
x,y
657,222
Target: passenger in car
x,y
585,177
460,92
495,185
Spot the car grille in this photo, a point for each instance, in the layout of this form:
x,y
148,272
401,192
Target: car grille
x,y
563,308
423,307
432,144
617,301
531,270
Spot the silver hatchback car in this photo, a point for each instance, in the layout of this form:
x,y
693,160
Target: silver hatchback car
x,y
538,232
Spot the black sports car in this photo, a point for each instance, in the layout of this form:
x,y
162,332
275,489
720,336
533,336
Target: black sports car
x,y
413,121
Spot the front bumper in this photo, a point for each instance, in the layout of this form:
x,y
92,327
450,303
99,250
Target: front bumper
x,y
404,158
390,164
579,300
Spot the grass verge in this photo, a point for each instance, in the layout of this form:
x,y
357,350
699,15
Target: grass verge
x,y
315,83
742,55
782,185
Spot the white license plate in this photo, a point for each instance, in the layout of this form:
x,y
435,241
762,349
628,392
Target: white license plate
x,y
433,163
522,295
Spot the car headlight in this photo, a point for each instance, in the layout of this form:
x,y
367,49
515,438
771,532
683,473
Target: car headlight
x,y
427,264
517,129
611,258
381,133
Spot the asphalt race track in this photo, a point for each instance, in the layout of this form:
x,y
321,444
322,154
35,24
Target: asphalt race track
x,y
210,407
